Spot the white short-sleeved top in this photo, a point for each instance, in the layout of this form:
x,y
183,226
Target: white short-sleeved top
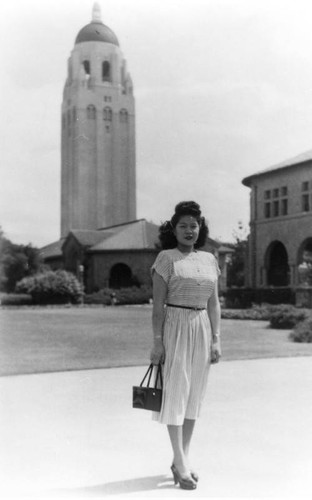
x,y
190,278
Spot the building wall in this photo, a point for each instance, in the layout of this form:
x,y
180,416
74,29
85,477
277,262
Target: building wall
x,y
98,178
291,229
100,265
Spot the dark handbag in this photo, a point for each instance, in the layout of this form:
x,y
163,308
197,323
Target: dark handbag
x,y
148,398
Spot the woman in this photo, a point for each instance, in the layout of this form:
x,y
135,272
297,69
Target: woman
x,y
186,328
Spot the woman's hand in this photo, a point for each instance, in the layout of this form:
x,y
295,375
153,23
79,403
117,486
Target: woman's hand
x,y
214,312
215,352
158,352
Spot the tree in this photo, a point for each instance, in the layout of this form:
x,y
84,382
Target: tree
x,y
237,264
16,262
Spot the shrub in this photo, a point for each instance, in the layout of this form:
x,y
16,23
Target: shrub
x,y
101,297
256,312
15,299
302,332
286,316
134,295
123,296
52,287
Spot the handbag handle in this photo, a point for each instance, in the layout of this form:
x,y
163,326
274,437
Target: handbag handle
x,y
149,373
159,374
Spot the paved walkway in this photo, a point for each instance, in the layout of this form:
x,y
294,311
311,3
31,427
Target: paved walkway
x,y
75,435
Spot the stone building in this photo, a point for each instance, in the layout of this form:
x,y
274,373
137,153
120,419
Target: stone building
x,y
280,222
98,178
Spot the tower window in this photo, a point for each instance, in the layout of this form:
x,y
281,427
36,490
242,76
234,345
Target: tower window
x,y
106,71
275,193
91,112
87,67
123,116
279,204
107,114
306,197
284,206
74,114
267,210
305,203
276,208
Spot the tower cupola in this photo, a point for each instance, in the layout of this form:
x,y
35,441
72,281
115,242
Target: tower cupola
x,y
96,31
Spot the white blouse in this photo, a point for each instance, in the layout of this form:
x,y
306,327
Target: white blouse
x,y
190,278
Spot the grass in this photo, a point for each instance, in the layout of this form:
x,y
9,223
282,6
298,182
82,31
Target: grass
x,y
37,340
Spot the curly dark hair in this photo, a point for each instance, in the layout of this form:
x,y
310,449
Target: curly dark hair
x,y
166,234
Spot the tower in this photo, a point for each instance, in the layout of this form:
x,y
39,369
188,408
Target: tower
x,y
98,178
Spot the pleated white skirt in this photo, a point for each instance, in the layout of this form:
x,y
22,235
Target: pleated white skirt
x,y
187,341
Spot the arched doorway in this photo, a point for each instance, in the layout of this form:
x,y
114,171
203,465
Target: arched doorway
x,y
277,265
120,276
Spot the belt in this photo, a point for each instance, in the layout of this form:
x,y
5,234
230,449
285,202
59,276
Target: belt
x,y
187,307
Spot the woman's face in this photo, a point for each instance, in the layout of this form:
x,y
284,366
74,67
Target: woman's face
x,y
186,232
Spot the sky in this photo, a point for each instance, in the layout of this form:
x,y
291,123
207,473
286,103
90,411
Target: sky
x,y
223,89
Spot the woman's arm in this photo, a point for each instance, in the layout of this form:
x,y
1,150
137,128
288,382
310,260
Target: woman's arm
x,y
158,316
214,312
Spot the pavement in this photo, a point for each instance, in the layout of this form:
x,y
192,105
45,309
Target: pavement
x,y
75,435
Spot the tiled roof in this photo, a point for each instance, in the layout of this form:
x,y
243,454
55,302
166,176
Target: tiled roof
x,y
302,158
53,250
90,238
136,235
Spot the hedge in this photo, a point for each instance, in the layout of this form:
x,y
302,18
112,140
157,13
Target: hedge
x,y
242,298
16,299
122,296
262,313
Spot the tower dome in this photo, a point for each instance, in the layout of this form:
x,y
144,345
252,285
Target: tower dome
x,y
96,31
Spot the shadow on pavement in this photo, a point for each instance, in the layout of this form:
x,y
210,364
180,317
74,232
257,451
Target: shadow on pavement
x,y
120,487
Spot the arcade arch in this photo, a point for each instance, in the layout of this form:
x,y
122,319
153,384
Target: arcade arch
x,y
276,264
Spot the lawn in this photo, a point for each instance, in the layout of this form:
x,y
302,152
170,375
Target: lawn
x,y
35,340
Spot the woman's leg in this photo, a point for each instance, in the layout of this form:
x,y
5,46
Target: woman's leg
x,y
187,433
179,458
